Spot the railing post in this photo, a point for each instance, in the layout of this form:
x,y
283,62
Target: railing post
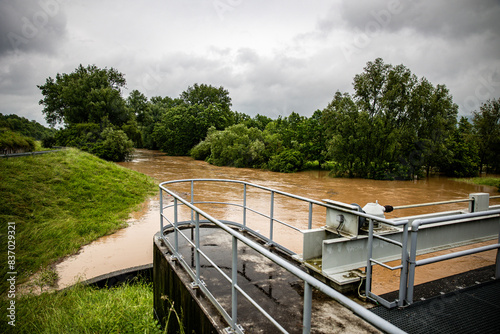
x,y
176,226
306,321
368,283
403,277
497,271
412,265
192,197
271,215
234,282
244,205
197,245
309,224
161,212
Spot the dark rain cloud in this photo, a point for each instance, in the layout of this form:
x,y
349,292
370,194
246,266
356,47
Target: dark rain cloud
x,y
31,26
450,20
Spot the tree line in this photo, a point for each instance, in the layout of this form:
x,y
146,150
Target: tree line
x,y
394,126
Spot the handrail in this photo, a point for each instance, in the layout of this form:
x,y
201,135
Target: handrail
x,y
27,154
415,225
432,203
309,281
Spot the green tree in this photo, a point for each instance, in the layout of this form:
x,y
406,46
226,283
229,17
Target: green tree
x,y
236,146
486,123
346,129
184,122
464,158
182,127
87,95
137,103
412,119
207,95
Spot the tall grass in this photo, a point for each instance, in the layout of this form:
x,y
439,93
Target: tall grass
x,y
484,181
83,309
61,201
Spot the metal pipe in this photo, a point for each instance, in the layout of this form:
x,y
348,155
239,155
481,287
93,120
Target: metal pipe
x,y
456,254
306,319
161,212
497,262
411,269
368,283
245,205
386,266
415,225
176,223
309,223
271,216
431,203
234,282
197,248
403,277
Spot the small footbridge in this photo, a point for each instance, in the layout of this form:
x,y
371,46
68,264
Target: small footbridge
x,y
237,257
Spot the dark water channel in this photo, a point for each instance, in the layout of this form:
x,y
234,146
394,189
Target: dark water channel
x,y
132,246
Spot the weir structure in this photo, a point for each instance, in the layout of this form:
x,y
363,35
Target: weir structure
x,y
249,270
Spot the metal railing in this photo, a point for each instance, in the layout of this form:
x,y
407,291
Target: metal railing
x,y
27,154
236,290
408,245
408,258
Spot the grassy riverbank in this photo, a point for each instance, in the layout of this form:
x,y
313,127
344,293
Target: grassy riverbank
x,y
483,181
61,201
83,309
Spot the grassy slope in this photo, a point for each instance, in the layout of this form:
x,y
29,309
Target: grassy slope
x,y
83,309
61,201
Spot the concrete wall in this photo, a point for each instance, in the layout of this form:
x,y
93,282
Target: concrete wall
x,y
171,285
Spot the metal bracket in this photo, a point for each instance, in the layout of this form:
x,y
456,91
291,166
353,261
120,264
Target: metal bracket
x,y
195,285
175,257
229,330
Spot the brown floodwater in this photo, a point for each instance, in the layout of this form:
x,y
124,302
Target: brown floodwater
x,y
132,246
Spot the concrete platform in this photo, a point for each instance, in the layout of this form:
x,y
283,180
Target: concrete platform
x,y
276,290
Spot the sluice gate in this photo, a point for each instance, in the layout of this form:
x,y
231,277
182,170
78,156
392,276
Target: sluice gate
x,y
248,266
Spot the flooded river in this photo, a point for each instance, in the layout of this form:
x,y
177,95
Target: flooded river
x,y
132,246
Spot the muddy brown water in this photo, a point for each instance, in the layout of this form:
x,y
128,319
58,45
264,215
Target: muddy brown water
x,y
132,246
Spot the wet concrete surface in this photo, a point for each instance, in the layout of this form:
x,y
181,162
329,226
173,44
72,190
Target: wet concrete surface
x,y
276,290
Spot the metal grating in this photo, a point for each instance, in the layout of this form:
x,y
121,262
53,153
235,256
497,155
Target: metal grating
x,y
471,310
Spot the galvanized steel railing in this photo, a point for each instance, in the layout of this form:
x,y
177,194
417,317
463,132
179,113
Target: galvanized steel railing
x,y
308,280
408,251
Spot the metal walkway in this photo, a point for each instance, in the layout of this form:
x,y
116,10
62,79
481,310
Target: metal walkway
x,y
471,310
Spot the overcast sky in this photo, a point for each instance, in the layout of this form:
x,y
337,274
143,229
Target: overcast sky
x,y
274,57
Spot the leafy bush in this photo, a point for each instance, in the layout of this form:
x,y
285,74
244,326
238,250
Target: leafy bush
x,y
236,146
115,145
288,161
109,144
